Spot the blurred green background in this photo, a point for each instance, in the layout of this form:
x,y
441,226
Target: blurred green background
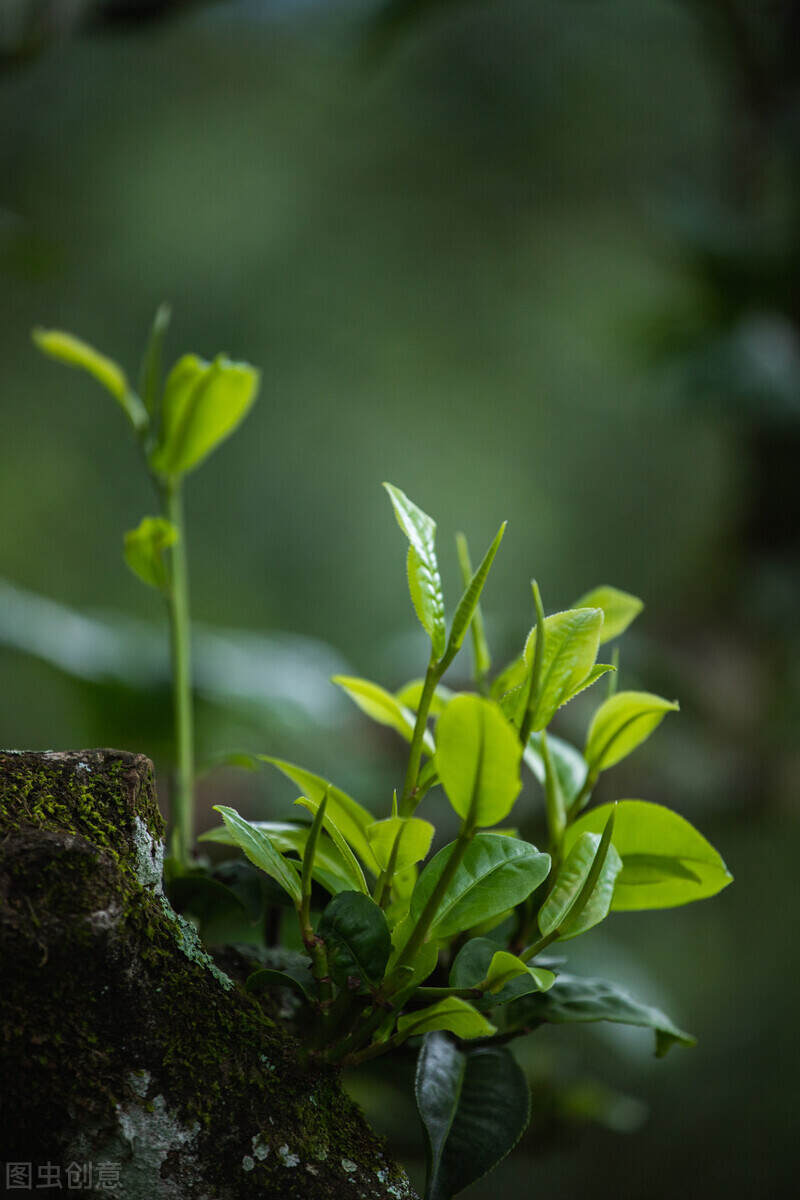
x,y
529,259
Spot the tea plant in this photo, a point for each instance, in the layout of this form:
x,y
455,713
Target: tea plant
x,y
481,912
176,427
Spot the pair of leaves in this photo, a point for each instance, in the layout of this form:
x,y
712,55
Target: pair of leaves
x,y
202,402
261,851
665,861
330,869
424,580
350,818
572,999
478,760
474,1104
582,893
495,874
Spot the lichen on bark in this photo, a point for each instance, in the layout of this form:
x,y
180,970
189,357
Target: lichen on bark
x,y
121,1039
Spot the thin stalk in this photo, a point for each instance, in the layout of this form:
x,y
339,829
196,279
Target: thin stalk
x,y
536,670
408,801
420,930
180,645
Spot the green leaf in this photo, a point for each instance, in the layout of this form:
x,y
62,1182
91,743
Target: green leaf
x,y
150,374
75,353
619,609
495,874
330,869
260,850
423,963
354,927
298,978
622,723
424,581
353,865
415,840
351,819
572,999
665,861
144,550
510,679
468,604
474,1105
559,911
480,649
479,961
411,693
570,649
568,763
309,853
451,1014
506,967
382,707
203,403
478,759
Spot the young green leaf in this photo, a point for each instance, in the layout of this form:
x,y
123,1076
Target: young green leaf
x,y
570,649
340,842
144,550
355,929
560,910
572,999
451,1014
468,604
203,403
75,353
505,968
665,861
480,648
474,1105
424,581
150,374
478,758
619,609
480,962
309,853
382,707
621,724
411,693
350,817
510,679
261,852
495,874
413,835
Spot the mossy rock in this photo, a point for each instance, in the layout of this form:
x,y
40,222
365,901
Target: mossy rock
x,y
122,1040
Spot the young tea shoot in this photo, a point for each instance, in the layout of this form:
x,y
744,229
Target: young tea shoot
x,y
176,426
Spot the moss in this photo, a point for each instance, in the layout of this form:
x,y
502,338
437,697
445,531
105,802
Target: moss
x,y
122,1039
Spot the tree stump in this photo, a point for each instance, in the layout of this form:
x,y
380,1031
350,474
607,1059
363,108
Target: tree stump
x,y
127,1056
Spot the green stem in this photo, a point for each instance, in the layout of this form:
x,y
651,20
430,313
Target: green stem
x,y
179,625
408,801
539,946
420,930
538,652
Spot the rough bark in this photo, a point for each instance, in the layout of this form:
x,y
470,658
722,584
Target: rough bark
x,y
121,1040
